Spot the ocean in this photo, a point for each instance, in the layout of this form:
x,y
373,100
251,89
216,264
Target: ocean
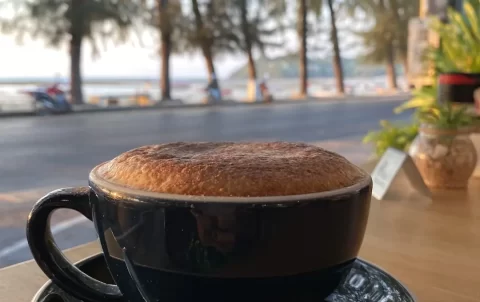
x,y
188,90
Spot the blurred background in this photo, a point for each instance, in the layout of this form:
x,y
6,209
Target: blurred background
x,y
84,80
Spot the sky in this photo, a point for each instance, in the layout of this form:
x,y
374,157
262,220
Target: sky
x,y
33,58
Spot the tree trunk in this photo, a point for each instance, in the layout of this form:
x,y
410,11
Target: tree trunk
x,y
302,35
198,16
252,92
75,69
389,56
405,67
165,81
166,48
76,32
402,36
337,58
252,70
206,41
209,63
390,68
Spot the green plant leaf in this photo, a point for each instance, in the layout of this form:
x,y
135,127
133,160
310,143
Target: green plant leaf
x,y
472,15
424,97
445,116
460,46
413,103
392,135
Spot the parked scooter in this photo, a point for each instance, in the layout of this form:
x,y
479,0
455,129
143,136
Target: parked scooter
x,y
50,100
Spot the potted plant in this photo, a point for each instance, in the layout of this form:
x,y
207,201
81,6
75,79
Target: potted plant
x,y
457,59
457,78
398,136
458,62
401,135
443,152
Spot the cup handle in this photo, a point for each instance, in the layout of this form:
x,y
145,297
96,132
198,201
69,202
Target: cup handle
x,y
51,260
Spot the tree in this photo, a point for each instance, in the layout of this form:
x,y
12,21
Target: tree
x,y
337,57
254,24
315,7
302,37
387,39
210,31
166,18
204,34
379,40
73,22
403,11
248,32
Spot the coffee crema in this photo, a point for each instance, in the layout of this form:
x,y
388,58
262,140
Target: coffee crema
x,y
245,169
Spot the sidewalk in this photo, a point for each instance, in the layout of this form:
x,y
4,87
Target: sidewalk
x,y
176,104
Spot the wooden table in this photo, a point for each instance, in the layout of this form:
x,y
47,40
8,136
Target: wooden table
x,y
433,247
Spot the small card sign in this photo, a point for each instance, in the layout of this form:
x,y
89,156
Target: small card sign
x,y
388,168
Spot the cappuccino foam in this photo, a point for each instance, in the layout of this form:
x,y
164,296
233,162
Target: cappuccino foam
x,y
231,169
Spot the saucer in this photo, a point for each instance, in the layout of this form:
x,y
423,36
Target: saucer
x,y
364,283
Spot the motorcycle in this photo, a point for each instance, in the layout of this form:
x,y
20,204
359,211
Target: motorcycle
x,y
50,100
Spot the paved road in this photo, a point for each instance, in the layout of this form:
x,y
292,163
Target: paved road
x,y
40,154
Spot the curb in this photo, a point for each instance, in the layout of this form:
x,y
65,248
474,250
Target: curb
x,y
229,103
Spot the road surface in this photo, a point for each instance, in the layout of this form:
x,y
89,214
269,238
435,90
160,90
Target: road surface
x,y
39,154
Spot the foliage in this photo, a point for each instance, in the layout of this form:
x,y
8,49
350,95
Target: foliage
x,y
428,111
460,47
458,52
406,10
73,21
167,21
397,136
54,20
315,6
445,116
389,20
379,35
214,31
424,97
253,27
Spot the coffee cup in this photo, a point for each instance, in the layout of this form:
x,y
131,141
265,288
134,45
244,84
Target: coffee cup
x,y
213,221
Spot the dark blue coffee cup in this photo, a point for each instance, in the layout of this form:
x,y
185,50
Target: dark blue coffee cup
x,y
166,247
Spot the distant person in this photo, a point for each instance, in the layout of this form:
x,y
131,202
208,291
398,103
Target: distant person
x,y
265,94
213,90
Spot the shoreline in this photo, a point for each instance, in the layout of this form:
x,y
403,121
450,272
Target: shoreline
x,y
179,81
177,104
